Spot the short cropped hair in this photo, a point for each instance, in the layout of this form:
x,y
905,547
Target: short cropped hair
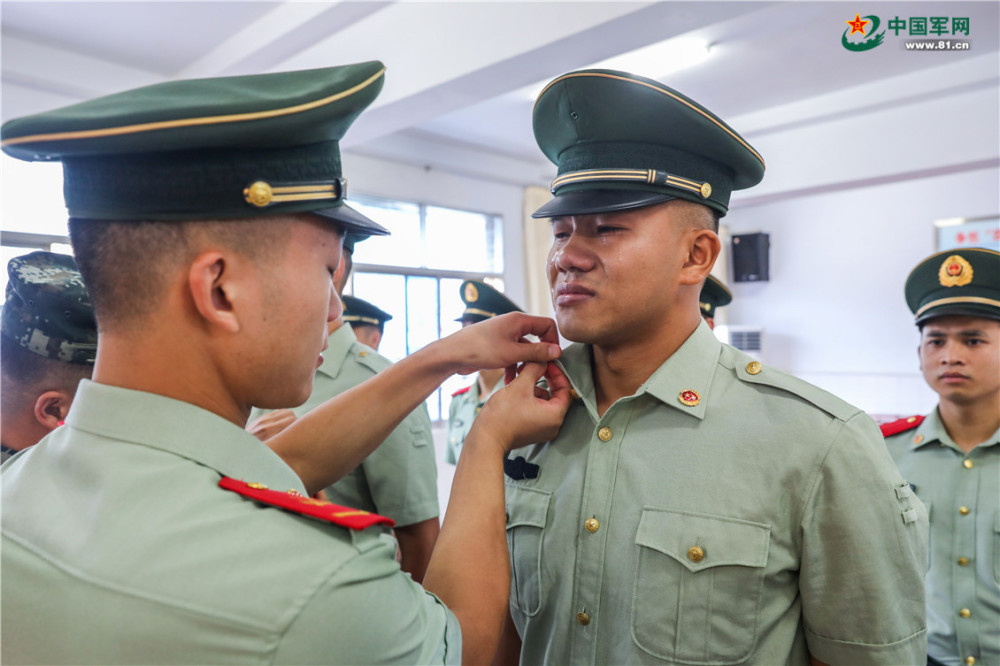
x,y
126,265
23,372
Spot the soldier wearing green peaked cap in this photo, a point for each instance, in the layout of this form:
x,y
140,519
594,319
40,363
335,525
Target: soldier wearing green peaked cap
x,y
361,314
951,456
714,295
671,464
207,219
482,302
49,341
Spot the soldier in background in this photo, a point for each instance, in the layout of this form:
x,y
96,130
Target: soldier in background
x,y
482,302
49,342
714,295
952,455
366,320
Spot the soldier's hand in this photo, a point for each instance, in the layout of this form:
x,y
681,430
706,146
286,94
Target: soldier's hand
x,y
267,426
524,413
502,341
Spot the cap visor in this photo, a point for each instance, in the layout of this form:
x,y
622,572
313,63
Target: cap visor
x,y
588,202
352,220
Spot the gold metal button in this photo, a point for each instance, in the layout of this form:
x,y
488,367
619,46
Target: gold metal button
x,y
591,525
964,510
962,561
604,434
696,554
967,464
573,394
257,486
706,190
754,367
918,439
970,660
965,612
293,491
583,619
911,419
258,194
689,397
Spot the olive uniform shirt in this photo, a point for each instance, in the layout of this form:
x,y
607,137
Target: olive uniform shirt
x,y
962,494
399,478
465,404
119,547
725,513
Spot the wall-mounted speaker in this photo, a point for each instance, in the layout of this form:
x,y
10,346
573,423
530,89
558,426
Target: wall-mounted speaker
x,y
750,257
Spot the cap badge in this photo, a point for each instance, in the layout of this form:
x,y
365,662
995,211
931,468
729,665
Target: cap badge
x,y
705,306
956,271
689,398
471,293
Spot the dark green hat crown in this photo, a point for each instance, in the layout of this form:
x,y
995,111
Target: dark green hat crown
x,y
483,302
955,282
47,309
227,147
714,294
624,141
357,311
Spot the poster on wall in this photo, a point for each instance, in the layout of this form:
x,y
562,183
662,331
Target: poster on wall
x,y
975,232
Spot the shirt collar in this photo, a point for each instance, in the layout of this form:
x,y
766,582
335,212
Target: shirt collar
x,y
341,341
689,370
932,430
179,428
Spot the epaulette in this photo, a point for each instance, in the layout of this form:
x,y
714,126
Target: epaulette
x,y
902,425
292,500
461,391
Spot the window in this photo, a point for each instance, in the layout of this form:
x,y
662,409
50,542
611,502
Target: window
x,y
415,274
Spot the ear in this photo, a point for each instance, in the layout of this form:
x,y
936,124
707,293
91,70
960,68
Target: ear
x,y
217,286
375,339
703,249
51,408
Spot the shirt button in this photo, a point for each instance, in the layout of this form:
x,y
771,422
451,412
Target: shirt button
x,y
967,464
964,510
591,525
962,561
696,554
965,612
970,660
583,619
604,434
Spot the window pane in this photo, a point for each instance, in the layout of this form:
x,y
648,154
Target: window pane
x,y
32,197
403,247
459,240
452,305
389,293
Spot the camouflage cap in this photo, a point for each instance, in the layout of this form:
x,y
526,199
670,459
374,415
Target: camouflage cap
x,y
48,310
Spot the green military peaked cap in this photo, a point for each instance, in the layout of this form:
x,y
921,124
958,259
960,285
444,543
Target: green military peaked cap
x,y
714,294
228,147
483,302
47,309
351,238
357,311
955,282
623,141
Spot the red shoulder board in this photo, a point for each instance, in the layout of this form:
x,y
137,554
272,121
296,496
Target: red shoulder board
x,y
291,500
461,391
902,425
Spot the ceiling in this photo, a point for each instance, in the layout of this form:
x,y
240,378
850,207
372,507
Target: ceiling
x,y
461,75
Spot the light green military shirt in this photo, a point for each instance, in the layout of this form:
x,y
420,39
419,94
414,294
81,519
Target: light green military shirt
x,y
399,478
119,547
465,404
725,513
962,494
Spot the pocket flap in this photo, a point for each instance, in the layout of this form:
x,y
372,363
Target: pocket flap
x,y
700,541
526,506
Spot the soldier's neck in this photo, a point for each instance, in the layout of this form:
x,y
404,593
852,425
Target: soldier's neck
x,y
487,380
970,424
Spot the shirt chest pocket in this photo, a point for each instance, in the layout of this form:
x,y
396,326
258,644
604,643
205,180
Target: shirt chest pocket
x,y
698,586
527,512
